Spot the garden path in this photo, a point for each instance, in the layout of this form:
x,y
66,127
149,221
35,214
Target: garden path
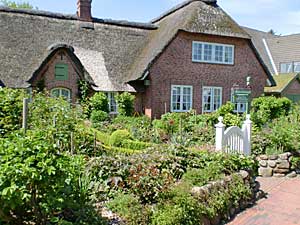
x,y
280,207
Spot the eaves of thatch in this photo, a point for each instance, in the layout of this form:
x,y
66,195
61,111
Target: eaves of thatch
x,y
105,48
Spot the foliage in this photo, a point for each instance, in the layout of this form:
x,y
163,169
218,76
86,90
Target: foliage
x,y
117,137
135,145
98,116
200,177
99,102
62,124
125,103
179,206
14,5
83,91
295,163
266,109
11,105
278,136
130,208
39,184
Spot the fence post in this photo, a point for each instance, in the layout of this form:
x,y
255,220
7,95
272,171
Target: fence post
x,y
220,128
25,114
247,129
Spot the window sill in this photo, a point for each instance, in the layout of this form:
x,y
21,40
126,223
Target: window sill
x,y
216,63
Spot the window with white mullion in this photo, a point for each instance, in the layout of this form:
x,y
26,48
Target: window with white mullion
x,y
181,100
211,98
212,53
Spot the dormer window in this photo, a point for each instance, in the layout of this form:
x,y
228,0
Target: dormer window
x,y
213,53
290,67
61,72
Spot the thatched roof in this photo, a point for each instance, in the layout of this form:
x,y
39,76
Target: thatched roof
x,y
110,52
195,16
257,37
105,49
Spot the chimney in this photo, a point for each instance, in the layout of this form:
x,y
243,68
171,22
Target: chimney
x,y
84,10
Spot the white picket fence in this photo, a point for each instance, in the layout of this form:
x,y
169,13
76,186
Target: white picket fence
x,y
234,139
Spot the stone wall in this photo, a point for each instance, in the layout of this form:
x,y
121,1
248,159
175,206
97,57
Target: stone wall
x,y
275,165
233,210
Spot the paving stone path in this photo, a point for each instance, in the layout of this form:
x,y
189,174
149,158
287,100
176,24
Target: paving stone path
x,y
280,207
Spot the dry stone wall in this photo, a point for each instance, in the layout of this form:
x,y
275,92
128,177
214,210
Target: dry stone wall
x,y
233,210
276,165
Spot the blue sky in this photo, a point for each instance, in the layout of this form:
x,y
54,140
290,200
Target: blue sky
x,y
283,16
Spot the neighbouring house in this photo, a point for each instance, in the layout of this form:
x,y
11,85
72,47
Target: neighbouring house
x,y
192,57
281,54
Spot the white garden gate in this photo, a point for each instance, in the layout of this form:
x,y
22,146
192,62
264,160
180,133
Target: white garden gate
x,y
234,139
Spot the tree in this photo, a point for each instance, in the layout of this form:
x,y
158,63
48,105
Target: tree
x,y
16,5
272,32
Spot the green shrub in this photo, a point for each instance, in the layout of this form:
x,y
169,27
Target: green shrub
x,y
129,208
99,102
62,125
118,137
295,163
200,177
135,145
99,116
38,184
11,104
178,206
125,103
266,109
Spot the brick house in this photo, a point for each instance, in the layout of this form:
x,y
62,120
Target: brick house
x,y
191,57
281,54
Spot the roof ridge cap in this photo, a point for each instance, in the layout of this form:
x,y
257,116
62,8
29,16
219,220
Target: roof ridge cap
x,y
178,7
74,17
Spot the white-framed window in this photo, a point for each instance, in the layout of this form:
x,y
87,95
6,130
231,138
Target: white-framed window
x,y
213,53
112,104
297,67
286,67
211,98
290,67
61,92
181,98
239,107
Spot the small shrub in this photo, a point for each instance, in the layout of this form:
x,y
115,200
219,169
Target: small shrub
x,y
129,208
200,177
266,109
99,116
178,206
125,103
11,104
295,163
40,184
99,102
118,137
135,145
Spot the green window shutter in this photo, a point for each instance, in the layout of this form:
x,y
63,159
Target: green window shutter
x,y
61,72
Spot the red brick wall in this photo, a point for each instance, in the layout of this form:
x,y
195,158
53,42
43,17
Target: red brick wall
x,y
292,89
175,66
48,74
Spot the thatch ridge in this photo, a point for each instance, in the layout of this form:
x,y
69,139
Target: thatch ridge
x,y
74,17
